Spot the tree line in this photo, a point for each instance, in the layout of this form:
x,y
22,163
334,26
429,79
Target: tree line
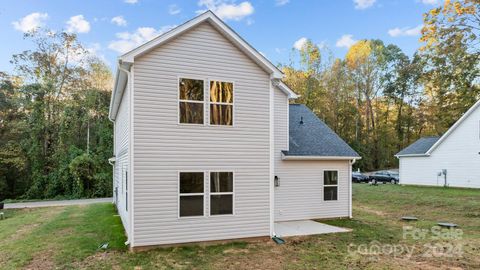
x,y
379,99
55,136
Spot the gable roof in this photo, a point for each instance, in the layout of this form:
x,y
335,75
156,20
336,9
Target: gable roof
x,y
419,147
126,60
217,23
311,138
452,128
439,140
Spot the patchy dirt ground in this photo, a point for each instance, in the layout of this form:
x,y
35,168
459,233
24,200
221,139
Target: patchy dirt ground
x,y
69,238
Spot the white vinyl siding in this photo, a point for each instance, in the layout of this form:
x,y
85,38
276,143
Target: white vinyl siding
x,y
300,194
163,147
121,156
459,154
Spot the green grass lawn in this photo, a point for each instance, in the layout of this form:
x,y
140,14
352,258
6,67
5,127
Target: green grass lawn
x,y
68,238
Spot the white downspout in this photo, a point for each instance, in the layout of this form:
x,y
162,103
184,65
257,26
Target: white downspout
x,y
272,161
350,185
130,235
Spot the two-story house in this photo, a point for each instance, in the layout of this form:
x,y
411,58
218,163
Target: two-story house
x,y
207,146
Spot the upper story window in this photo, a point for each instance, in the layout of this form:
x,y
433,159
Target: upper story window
x,y
221,103
191,101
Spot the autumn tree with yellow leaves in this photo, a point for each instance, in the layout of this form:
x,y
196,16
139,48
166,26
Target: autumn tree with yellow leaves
x,y
379,99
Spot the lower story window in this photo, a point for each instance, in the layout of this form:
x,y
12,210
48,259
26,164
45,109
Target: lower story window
x,y
221,193
330,185
191,193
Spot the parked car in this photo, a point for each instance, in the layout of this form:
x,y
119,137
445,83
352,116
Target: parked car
x,y
358,177
384,177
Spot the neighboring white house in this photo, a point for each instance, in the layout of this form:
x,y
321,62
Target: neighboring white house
x,y
452,159
207,146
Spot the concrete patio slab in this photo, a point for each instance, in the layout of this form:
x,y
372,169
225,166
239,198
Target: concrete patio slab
x,y
305,227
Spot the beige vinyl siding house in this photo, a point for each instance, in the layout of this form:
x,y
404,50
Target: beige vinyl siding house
x,y
204,139
121,151
452,159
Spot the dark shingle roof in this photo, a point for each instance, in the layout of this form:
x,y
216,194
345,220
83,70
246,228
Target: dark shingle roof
x,y
314,137
419,147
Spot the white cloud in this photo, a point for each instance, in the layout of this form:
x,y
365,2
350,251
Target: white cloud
x,y
119,20
30,22
280,50
130,1
345,41
430,2
300,43
363,4
227,10
281,2
127,41
397,32
173,9
78,24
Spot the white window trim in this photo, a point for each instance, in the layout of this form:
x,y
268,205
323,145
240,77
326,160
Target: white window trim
x,y
323,184
221,193
188,77
191,194
209,80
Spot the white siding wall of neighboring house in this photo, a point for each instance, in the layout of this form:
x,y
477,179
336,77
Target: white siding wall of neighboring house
x,y
458,154
121,156
163,147
300,194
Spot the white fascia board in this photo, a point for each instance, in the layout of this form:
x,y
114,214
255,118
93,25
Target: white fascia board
x,y
219,25
284,157
452,128
121,80
289,92
412,155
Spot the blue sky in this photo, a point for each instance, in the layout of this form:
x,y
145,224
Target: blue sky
x,y
274,27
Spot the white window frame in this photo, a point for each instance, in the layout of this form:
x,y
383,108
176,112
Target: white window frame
x,y
210,193
188,77
221,103
191,194
337,185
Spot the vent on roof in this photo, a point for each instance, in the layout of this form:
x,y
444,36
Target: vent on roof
x,y
301,120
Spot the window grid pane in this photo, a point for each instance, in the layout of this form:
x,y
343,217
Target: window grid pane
x,y
221,204
221,114
330,193
191,89
191,182
330,178
191,206
191,113
221,182
221,92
